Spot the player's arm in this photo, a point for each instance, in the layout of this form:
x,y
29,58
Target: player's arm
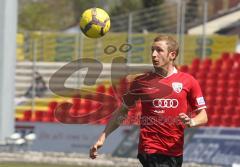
x,y
129,99
117,118
200,119
197,104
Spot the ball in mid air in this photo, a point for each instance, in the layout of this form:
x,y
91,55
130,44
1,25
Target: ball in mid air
x,y
95,22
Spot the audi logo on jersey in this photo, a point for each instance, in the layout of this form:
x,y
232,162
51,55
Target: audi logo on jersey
x,y
165,103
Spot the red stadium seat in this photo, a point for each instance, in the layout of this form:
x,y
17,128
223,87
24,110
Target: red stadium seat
x,y
205,65
230,100
207,62
218,109
223,75
236,66
52,105
222,83
48,117
102,121
210,101
211,82
75,107
110,91
220,100
216,66
225,120
193,71
214,120
233,92
235,74
210,91
235,121
212,75
76,100
221,91
101,89
225,56
233,83
184,68
196,62
236,57
123,86
218,63
228,110
86,105
201,75
202,83
27,115
227,65
210,108
39,116
237,108
215,69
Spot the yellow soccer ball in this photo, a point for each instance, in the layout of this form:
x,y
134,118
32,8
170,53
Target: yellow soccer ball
x,y
95,22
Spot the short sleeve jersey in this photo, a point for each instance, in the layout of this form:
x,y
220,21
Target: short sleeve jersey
x,y
162,99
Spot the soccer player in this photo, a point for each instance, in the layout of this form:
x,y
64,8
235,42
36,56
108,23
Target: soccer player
x,y
166,95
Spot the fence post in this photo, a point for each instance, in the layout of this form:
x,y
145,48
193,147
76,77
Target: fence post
x,y
80,56
129,53
34,69
182,31
178,26
205,18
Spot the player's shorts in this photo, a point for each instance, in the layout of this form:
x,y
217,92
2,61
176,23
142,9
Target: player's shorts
x,y
159,160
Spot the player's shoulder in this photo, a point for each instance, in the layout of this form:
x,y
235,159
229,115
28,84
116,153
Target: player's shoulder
x,y
187,76
135,77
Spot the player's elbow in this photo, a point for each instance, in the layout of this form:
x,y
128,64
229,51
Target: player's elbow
x,y
205,121
205,118
120,115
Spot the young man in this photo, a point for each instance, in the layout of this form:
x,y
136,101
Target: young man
x,y
166,95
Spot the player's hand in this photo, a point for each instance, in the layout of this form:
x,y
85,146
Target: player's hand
x,y
185,119
93,150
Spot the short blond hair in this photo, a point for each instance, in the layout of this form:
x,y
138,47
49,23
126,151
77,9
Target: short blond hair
x,y
171,42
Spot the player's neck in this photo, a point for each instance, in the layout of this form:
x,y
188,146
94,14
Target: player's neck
x,y
164,71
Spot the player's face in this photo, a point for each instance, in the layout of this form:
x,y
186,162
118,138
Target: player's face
x,y
160,55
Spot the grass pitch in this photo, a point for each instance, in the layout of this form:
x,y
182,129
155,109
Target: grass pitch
x,y
20,164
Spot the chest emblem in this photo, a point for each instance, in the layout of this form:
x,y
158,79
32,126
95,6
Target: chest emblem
x,y
177,87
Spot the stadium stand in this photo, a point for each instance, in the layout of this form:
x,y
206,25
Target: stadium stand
x,y
220,87
218,79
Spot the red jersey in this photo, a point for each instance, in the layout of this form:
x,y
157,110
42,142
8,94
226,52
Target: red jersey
x,y
162,99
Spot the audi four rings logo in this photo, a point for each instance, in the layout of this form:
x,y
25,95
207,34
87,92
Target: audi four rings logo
x,y
165,103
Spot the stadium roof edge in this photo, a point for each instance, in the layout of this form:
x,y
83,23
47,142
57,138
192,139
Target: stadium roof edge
x,y
216,24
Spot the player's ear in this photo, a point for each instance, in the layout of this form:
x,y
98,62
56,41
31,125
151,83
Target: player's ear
x,y
173,55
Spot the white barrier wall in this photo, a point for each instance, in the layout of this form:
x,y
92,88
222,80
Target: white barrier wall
x,y
70,138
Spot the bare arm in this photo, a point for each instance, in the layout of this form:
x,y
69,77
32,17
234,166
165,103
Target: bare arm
x,y
200,119
113,124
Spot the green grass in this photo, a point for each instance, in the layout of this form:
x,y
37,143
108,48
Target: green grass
x,y
20,164
30,165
